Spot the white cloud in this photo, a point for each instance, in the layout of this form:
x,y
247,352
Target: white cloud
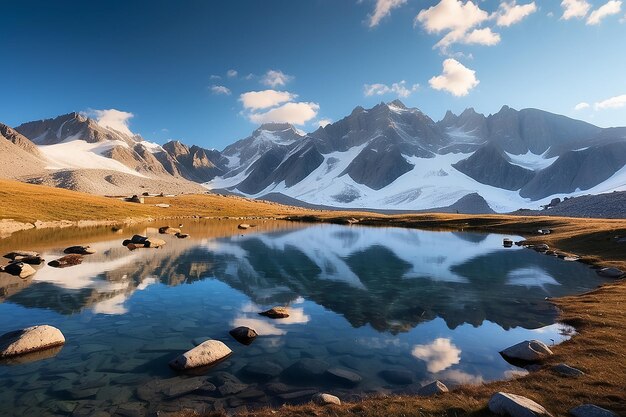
x,y
215,77
616,102
451,15
274,78
481,37
438,355
231,73
256,100
220,90
324,122
400,89
458,21
455,79
581,106
383,9
610,8
510,13
113,119
295,113
575,9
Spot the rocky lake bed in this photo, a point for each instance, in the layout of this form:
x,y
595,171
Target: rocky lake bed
x,y
358,311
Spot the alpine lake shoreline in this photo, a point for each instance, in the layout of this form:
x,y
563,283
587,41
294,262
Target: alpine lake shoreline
x,y
599,316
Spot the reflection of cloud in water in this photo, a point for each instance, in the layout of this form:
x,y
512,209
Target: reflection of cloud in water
x,y
84,275
269,327
438,355
262,327
530,277
458,377
115,305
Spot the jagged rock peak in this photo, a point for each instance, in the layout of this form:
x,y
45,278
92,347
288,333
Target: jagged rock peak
x,y
276,127
397,103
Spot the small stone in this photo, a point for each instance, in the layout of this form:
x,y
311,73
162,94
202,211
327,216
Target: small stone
x,y
243,226
276,313
244,335
67,261
434,388
31,339
19,269
325,399
344,376
567,370
32,260
590,410
527,351
504,404
80,250
182,235
208,353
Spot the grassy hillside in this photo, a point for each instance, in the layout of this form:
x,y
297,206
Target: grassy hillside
x,y
28,203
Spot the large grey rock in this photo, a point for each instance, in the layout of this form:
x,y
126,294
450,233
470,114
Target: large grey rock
x,y
31,339
528,351
208,353
434,388
505,404
590,410
326,399
567,370
18,269
610,272
344,376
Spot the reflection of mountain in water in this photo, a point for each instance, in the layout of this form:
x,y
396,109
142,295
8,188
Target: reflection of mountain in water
x,y
390,278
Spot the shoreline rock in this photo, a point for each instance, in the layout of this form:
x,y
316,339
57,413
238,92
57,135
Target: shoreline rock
x,y
505,404
29,340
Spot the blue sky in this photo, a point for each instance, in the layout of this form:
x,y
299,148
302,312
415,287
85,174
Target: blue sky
x,y
167,63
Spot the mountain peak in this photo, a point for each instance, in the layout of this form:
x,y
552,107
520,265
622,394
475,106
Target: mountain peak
x,y
276,127
397,103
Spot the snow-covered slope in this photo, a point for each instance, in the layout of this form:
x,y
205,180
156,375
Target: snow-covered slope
x,y
394,157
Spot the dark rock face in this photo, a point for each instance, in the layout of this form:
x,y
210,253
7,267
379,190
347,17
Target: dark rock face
x,y
193,163
488,165
244,335
67,261
378,166
574,170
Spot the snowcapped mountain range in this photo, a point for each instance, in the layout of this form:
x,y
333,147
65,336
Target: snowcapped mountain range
x,y
387,157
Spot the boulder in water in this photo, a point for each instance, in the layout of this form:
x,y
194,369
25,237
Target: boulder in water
x,y
207,353
66,261
276,313
527,351
80,250
244,335
31,339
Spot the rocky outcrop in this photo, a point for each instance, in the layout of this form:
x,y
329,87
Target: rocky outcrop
x,y
504,404
566,370
488,165
207,353
31,339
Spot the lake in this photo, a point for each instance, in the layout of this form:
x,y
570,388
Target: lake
x,y
396,308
